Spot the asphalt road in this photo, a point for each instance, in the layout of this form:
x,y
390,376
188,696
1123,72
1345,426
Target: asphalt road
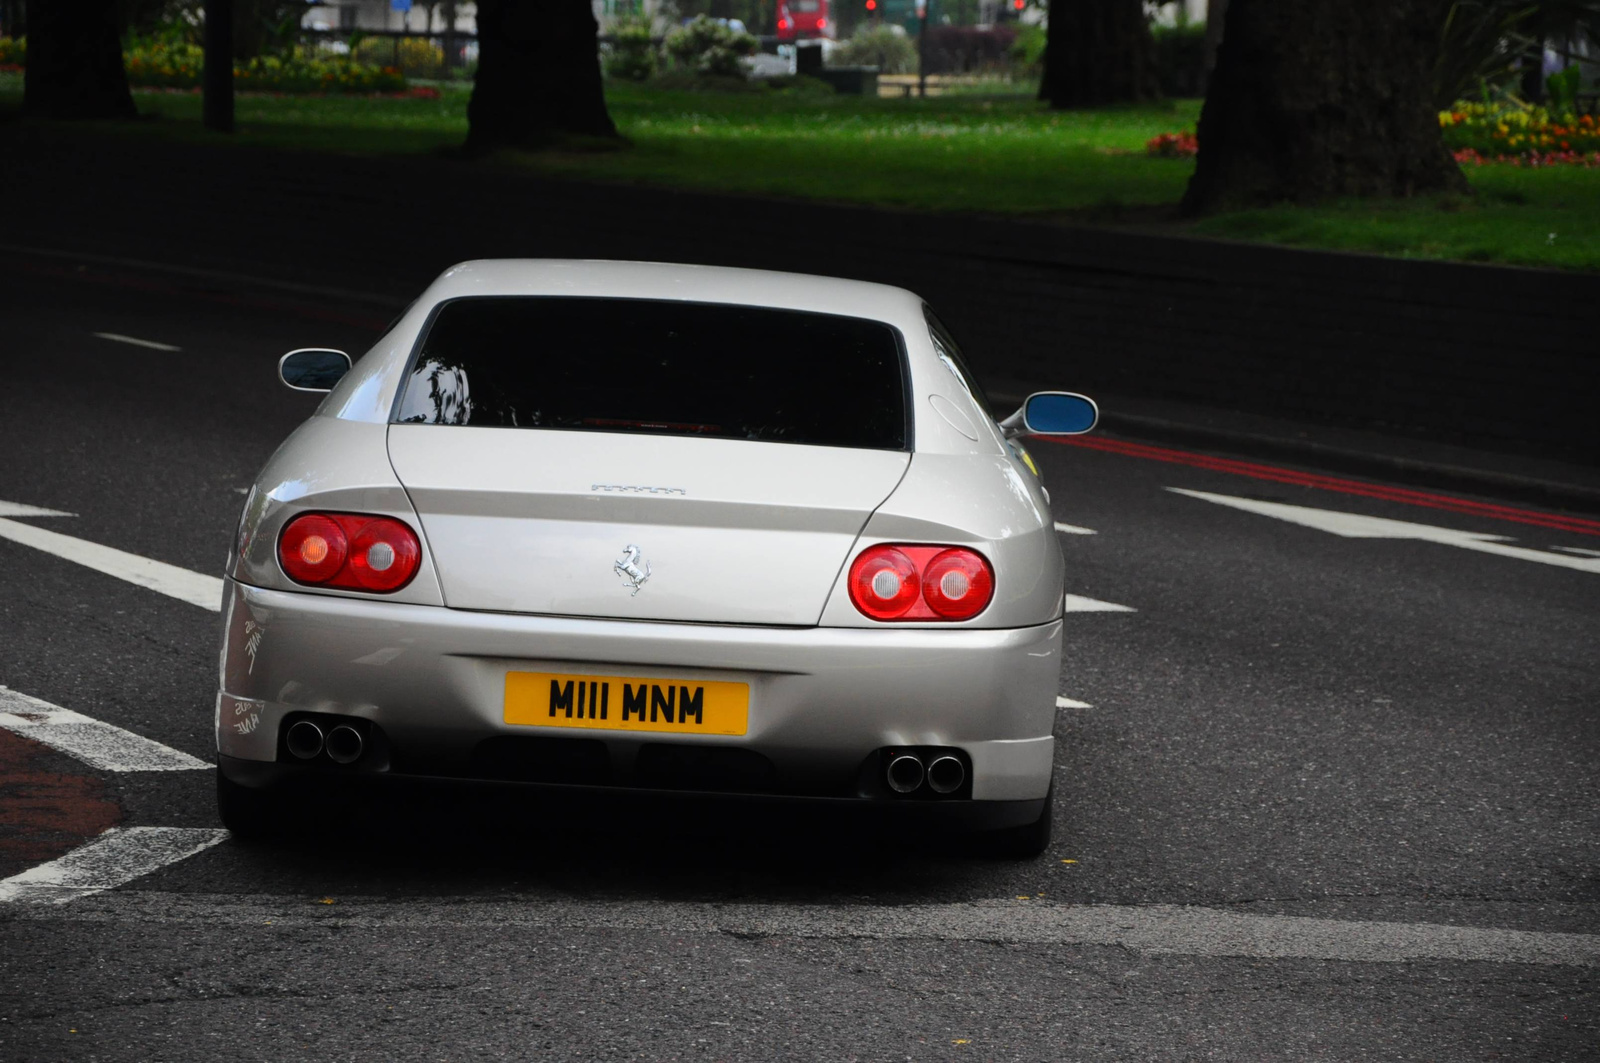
x,y
1394,742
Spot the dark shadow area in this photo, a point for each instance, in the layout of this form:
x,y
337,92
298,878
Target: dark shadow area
x,y
444,839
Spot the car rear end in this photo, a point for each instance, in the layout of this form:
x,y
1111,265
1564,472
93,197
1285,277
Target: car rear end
x,y
648,528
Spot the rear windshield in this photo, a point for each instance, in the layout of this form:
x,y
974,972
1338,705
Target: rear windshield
x,y
667,368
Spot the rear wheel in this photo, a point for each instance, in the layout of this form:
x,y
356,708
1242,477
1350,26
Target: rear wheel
x,y
245,812
1024,842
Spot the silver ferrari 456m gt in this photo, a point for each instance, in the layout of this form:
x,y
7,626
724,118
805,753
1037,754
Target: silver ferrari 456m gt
x,y
650,527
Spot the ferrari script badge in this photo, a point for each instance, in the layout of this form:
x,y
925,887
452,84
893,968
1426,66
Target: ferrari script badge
x,y
627,566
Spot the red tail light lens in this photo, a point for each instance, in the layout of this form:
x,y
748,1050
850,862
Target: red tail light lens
x,y
957,584
312,548
883,583
350,551
906,582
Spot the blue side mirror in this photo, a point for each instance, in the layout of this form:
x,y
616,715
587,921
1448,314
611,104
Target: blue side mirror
x,y
1053,413
313,368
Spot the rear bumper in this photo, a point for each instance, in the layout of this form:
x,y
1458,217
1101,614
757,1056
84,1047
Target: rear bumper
x,y
821,699
291,780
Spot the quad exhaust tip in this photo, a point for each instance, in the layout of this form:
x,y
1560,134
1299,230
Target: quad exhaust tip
x,y
305,739
344,744
905,773
946,774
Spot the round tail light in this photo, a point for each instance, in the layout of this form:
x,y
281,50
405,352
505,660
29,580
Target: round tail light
x,y
920,582
883,583
312,548
384,555
957,584
351,551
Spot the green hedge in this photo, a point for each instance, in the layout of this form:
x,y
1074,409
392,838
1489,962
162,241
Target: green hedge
x,y
179,66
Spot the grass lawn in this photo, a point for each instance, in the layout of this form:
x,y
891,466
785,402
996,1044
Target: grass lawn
x,y
995,154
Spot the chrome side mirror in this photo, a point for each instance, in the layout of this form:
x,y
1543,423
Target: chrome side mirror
x,y
313,368
1052,413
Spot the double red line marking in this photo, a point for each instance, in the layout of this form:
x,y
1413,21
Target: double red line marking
x,y
1257,471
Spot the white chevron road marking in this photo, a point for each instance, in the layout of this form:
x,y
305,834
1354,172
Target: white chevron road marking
x,y
1357,526
180,583
98,744
116,857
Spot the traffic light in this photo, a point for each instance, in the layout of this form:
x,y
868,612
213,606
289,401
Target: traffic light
x,y
872,5
1019,4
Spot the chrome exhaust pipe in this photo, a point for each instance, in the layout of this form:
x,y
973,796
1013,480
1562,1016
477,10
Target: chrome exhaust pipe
x,y
344,744
304,739
946,774
905,773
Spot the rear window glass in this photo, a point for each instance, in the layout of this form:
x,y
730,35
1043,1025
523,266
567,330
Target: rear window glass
x,y
668,368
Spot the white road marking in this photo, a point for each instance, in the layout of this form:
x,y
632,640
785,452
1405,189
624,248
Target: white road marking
x,y
180,583
1076,603
17,509
1073,529
120,855
1158,928
1579,550
117,337
96,743
1068,703
1356,526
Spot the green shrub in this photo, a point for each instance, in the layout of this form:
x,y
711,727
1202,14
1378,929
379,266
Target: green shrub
x,y
13,51
885,47
631,55
1027,51
415,57
707,47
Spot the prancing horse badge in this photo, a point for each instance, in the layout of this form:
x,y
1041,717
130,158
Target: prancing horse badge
x,y
627,566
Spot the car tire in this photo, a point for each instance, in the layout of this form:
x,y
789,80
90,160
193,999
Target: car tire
x,y
248,814
1025,842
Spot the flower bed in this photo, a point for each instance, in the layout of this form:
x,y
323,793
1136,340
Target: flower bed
x,y
1527,136
1173,146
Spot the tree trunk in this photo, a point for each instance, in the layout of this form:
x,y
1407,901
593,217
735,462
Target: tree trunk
x,y
538,78
1216,20
216,106
74,67
1098,52
1313,99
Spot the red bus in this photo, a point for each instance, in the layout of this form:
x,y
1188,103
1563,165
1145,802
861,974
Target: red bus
x,y
803,19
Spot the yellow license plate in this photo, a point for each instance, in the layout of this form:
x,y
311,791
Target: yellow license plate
x,y
624,703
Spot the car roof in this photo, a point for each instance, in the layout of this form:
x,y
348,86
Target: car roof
x,y
596,278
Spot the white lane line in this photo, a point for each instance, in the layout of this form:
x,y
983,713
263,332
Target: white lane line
x,y
17,509
117,337
1160,928
1076,603
1580,550
1073,529
1356,526
118,856
96,743
1068,703
180,583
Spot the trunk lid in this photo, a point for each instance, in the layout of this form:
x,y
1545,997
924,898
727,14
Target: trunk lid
x,y
640,527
